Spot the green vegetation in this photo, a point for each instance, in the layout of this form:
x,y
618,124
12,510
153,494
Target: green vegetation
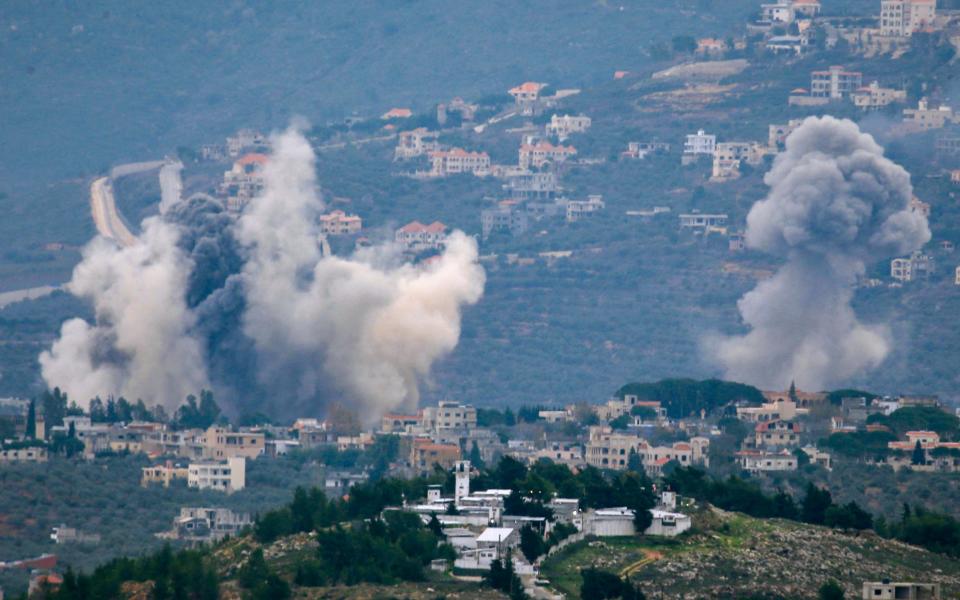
x,y
685,397
916,418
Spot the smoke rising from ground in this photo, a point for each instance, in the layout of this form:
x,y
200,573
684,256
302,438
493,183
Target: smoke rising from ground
x,y
253,308
835,203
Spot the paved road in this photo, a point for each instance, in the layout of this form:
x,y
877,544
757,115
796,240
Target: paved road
x,y
103,208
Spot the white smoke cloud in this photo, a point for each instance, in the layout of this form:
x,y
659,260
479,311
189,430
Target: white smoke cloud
x,y
374,330
197,287
835,202
139,345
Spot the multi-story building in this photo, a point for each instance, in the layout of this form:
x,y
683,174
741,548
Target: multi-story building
x,y
777,434
198,524
506,217
609,449
903,18
563,453
540,185
163,474
23,453
778,134
415,142
925,118
458,160
835,83
396,423
538,154
337,222
416,236
244,181
698,220
450,415
872,97
640,150
227,476
727,157
424,454
527,95
914,267
936,455
246,139
580,209
220,443
563,126
888,590
779,409
694,452
698,144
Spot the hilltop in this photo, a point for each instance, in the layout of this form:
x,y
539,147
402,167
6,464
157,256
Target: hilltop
x,y
730,555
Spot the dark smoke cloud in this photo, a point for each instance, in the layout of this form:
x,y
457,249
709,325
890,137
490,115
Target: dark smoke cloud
x,y
835,203
256,309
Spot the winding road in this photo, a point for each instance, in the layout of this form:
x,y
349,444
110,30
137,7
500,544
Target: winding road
x,y
103,203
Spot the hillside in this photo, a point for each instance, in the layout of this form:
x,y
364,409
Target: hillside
x,y
730,555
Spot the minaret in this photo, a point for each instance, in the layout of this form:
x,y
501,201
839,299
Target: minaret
x,y
462,472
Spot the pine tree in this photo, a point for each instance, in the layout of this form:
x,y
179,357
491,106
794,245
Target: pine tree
x,y
31,431
919,456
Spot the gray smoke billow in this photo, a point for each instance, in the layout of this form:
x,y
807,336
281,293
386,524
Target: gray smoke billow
x,y
254,309
835,204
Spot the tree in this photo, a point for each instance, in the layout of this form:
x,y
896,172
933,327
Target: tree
x,y
634,464
31,431
531,544
830,590
815,505
476,459
919,456
254,571
621,422
684,44
508,418
600,585
54,407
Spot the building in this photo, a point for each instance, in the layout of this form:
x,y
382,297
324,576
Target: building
x,y
698,144
803,399
937,455
506,217
609,449
425,454
228,476
541,153
395,423
163,474
778,134
835,83
415,142
760,461
818,457
780,12
654,458
24,453
540,185
887,590
338,222
728,156
640,150
667,523
450,415
777,434
563,126
916,266
201,524
711,47
563,453
903,18
580,209
923,117
220,443
71,535
397,113
873,96
13,412
246,139
527,95
244,181
458,160
416,236
466,110
698,220
609,522
781,408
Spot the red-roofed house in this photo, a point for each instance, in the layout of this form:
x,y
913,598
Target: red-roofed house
x,y
416,236
397,113
244,181
527,92
541,153
458,160
620,74
711,47
424,454
937,455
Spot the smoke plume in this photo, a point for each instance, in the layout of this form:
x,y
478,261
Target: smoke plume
x,y
835,204
256,309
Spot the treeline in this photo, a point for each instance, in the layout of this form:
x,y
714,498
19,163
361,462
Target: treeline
x,y
184,575
684,397
934,531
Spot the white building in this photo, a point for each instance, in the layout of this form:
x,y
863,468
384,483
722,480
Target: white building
x,y
759,461
458,160
228,476
579,209
698,144
608,522
903,18
888,590
417,237
563,126
925,118
698,220
873,96
337,222
415,142
835,83
915,266
667,523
